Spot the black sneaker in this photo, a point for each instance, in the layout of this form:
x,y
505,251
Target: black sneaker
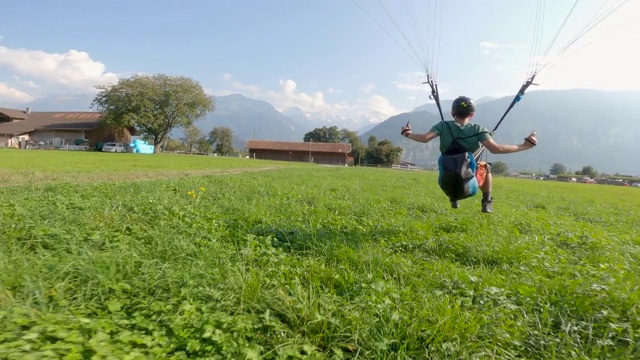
x,y
455,204
487,206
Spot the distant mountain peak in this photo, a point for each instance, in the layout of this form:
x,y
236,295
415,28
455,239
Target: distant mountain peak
x,y
373,117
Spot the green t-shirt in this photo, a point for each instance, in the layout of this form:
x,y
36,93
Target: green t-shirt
x,y
469,135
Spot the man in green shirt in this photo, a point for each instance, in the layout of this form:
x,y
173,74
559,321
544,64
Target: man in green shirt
x,y
459,175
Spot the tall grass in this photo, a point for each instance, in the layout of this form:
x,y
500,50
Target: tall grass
x,y
302,261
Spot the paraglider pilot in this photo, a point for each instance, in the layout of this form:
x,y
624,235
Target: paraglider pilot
x,y
460,176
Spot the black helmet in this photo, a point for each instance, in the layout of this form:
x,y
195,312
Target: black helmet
x,y
462,106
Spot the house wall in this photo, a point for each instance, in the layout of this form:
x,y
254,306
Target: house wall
x,y
8,141
4,141
299,156
68,135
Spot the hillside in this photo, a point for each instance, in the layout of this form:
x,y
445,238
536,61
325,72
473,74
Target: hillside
x,y
249,118
575,128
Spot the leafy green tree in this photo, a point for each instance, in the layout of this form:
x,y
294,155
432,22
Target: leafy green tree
x,y
348,136
372,141
588,170
174,145
203,145
222,138
384,153
499,168
351,137
323,135
152,104
358,153
192,135
557,169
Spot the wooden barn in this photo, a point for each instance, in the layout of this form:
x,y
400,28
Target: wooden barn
x,y
319,153
19,127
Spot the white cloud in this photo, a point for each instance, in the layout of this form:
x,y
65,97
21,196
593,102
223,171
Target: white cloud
x,y
489,45
250,89
289,96
12,95
493,49
31,84
367,88
414,85
411,82
285,96
408,87
381,104
74,69
238,87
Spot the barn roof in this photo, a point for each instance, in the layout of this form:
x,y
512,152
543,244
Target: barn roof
x,y
77,120
298,146
13,113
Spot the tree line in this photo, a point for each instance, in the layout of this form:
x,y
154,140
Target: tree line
x,y
560,169
220,140
374,153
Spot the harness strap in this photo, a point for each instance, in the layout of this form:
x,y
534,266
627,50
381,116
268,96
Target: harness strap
x,y
454,142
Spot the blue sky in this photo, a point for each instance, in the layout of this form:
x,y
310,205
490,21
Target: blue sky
x,y
319,55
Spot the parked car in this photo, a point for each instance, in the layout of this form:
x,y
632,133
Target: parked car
x,y
588,181
635,184
114,147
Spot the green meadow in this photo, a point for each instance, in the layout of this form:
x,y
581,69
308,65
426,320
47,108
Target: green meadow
x,y
127,256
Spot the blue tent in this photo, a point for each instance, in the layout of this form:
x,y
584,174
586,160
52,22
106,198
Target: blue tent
x,y
141,147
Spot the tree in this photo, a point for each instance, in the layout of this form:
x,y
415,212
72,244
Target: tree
x,y
499,168
383,153
152,104
372,141
588,170
348,136
203,145
557,169
191,136
222,138
323,135
352,138
174,145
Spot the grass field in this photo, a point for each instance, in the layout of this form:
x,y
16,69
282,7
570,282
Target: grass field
x,y
175,256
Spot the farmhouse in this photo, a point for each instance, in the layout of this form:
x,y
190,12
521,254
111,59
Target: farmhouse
x,y
21,127
319,153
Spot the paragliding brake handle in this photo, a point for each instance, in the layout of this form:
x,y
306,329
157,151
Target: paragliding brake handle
x,y
526,85
524,88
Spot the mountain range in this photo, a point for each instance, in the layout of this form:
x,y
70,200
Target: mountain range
x,y
575,127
